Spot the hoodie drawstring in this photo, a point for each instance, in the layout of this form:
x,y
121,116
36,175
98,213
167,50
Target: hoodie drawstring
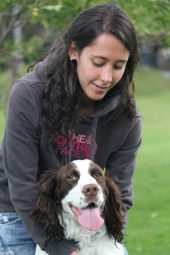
x,y
93,138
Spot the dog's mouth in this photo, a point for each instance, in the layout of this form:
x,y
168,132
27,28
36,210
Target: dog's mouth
x,y
88,217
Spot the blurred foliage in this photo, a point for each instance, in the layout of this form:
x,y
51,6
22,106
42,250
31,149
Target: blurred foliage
x,y
33,47
41,21
148,16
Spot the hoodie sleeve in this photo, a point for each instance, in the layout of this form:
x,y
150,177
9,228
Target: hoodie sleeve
x,y
20,160
121,165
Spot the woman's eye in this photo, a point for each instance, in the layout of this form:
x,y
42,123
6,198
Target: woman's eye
x,y
98,64
119,67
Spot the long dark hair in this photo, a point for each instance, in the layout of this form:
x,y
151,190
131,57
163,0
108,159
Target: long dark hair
x,y
60,102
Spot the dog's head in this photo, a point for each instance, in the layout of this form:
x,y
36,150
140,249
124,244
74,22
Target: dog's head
x,y
79,191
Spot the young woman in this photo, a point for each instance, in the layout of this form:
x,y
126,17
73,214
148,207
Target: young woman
x,y
77,103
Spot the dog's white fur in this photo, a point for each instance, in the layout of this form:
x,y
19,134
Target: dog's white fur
x,y
90,242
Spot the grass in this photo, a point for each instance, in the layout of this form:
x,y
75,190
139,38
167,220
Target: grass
x,y
2,123
148,228
149,221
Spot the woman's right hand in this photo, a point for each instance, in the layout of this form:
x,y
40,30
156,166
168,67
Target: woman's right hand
x,y
74,253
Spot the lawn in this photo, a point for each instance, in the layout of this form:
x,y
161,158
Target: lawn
x,y
2,123
148,231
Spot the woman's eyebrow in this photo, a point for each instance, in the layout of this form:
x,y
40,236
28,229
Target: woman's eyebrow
x,y
101,57
123,61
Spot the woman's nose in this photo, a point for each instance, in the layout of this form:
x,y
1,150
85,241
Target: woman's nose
x,y
107,75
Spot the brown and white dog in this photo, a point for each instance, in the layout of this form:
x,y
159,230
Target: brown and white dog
x,y
79,202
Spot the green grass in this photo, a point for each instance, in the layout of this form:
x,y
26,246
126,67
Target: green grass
x,y
148,231
2,123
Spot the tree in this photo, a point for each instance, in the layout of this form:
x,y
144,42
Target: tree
x,y
150,17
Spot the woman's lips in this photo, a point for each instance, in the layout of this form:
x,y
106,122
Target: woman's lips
x,y
101,87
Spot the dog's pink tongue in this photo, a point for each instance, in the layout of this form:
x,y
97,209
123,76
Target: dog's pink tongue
x,y
90,218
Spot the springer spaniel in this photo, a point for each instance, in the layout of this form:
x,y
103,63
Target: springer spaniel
x,y
79,202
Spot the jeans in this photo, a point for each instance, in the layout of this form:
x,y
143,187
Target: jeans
x,y
14,238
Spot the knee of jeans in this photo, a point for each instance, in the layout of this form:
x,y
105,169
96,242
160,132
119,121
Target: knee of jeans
x,y
5,250
9,253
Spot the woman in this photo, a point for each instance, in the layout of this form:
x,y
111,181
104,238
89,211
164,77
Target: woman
x,y
77,103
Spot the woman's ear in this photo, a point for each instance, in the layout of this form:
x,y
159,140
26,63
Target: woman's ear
x,y
72,52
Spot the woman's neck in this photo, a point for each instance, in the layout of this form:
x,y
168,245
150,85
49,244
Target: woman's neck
x,y
86,105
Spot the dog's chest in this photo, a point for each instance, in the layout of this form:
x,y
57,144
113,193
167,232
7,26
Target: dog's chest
x,y
104,246
99,246
93,243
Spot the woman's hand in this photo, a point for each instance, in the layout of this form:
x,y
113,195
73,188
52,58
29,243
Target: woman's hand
x,y
74,253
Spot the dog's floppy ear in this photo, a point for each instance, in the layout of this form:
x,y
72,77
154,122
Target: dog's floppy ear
x,y
48,206
113,211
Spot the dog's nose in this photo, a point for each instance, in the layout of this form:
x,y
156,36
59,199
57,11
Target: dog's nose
x,y
90,190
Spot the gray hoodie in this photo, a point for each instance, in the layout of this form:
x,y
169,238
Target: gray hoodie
x,y
111,144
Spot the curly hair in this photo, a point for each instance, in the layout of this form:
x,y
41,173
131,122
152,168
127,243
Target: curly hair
x,y
60,102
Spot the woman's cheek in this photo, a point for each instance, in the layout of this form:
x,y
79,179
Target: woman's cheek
x,y
120,74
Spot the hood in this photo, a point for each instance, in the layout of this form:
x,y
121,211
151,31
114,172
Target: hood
x,y
105,106
41,70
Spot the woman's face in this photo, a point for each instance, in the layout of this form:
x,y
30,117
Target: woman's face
x,y
100,65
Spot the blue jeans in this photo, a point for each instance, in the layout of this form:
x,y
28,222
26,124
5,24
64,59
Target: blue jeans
x,y
14,238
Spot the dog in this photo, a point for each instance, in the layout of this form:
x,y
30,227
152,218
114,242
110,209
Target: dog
x,y
80,202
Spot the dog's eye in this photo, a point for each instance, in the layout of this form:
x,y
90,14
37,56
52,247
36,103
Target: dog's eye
x,y
97,174
72,178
